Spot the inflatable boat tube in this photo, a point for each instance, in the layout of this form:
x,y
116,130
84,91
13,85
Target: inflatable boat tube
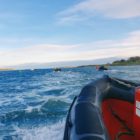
x,y
107,109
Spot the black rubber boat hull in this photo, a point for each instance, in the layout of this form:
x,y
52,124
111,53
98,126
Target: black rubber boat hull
x,y
85,120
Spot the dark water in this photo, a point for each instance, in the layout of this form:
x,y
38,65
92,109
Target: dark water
x,y
34,103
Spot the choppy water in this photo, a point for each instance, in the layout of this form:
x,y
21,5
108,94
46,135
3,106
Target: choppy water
x,y
34,104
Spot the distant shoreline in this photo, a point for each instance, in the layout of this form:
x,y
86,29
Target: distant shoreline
x,y
129,62
6,69
105,64
83,66
132,61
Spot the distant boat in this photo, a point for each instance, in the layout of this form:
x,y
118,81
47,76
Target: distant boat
x,y
57,69
101,68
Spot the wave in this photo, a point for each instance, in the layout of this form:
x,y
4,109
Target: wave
x,y
51,109
48,132
34,105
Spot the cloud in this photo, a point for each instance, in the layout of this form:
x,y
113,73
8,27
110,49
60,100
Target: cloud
x,y
38,53
117,9
131,40
43,53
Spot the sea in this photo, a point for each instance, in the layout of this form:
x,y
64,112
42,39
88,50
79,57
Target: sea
x,y
34,103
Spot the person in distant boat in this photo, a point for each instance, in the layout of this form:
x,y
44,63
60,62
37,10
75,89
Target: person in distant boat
x,y
97,67
101,68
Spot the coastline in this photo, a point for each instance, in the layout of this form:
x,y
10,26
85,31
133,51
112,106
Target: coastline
x,y
6,69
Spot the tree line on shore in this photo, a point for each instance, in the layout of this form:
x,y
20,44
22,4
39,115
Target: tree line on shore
x,y
130,61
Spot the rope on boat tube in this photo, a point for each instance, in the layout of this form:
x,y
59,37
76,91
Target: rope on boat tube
x,y
129,130
123,133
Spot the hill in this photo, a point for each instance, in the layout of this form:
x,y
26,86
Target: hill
x,y
130,61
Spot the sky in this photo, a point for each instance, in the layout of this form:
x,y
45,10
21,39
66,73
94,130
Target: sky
x,y
41,31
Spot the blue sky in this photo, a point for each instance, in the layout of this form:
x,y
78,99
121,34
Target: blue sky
x,y
48,30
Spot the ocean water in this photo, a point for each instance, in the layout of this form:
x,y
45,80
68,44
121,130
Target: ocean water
x,y
34,103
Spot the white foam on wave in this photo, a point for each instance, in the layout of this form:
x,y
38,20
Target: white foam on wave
x,y
50,132
30,109
45,99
